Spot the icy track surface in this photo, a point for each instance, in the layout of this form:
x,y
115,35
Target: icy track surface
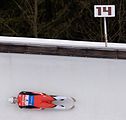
x,y
99,86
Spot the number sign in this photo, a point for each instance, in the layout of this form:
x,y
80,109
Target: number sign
x,y
104,10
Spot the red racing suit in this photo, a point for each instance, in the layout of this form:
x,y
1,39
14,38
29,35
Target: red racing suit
x,y
35,100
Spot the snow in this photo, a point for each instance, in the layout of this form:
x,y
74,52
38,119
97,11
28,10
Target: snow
x,y
61,43
98,85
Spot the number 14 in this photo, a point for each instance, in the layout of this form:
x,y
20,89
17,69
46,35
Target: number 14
x,y
102,10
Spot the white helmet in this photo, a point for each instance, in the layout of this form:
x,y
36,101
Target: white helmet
x,y
12,100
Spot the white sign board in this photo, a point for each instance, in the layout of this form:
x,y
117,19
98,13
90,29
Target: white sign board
x,y
104,10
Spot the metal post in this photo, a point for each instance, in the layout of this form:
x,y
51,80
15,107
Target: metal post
x,y
105,32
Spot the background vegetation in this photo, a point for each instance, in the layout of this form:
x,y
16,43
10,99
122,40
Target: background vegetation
x,y
61,19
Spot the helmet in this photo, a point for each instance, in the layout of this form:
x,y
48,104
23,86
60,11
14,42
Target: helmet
x,y
12,100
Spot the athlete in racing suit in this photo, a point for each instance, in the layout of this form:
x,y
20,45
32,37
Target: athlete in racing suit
x,y
35,100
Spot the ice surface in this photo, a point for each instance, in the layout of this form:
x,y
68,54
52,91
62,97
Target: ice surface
x,y
99,86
